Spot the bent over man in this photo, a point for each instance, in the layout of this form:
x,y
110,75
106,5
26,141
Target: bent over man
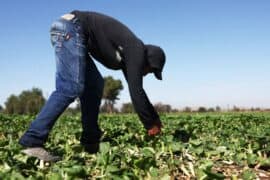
x,y
76,37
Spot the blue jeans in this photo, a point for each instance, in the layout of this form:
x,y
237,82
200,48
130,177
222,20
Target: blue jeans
x,y
76,76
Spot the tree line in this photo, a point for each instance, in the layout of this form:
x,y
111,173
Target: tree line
x,y
27,102
31,101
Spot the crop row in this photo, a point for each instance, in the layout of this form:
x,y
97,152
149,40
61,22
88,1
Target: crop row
x,y
194,146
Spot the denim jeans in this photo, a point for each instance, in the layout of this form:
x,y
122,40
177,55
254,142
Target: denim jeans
x,y
76,76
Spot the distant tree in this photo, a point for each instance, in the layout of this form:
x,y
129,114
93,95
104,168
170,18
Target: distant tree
x,y
104,109
175,110
28,102
202,109
12,105
218,109
258,109
163,108
127,108
111,91
1,109
211,109
187,109
32,100
236,109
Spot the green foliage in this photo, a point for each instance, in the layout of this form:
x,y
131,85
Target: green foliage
x,y
28,102
111,91
197,146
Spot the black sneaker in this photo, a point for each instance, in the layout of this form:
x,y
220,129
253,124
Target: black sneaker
x,y
41,153
91,148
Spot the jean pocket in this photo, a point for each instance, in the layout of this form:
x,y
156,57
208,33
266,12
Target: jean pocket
x,y
57,39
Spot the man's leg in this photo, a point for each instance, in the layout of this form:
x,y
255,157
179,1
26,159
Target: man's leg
x,y
90,102
71,55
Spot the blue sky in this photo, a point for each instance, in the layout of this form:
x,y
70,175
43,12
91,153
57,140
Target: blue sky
x,y
218,52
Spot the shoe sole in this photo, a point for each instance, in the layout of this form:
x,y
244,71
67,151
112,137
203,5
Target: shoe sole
x,y
41,157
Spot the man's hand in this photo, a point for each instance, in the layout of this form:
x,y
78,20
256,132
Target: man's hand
x,y
155,129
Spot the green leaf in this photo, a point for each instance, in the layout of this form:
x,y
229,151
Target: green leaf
x,y
251,159
265,162
148,152
76,170
195,142
221,149
248,175
112,168
206,165
104,147
55,176
176,147
153,172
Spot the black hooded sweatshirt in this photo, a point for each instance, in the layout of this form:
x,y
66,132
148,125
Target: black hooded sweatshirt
x,y
105,37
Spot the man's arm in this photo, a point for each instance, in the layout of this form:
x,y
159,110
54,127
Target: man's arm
x,y
134,65
109,50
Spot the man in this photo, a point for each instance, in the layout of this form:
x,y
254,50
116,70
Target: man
x,y
76,37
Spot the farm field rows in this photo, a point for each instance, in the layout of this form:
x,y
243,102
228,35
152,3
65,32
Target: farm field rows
x,y
192,146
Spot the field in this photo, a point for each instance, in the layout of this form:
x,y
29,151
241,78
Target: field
x,y
192,146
